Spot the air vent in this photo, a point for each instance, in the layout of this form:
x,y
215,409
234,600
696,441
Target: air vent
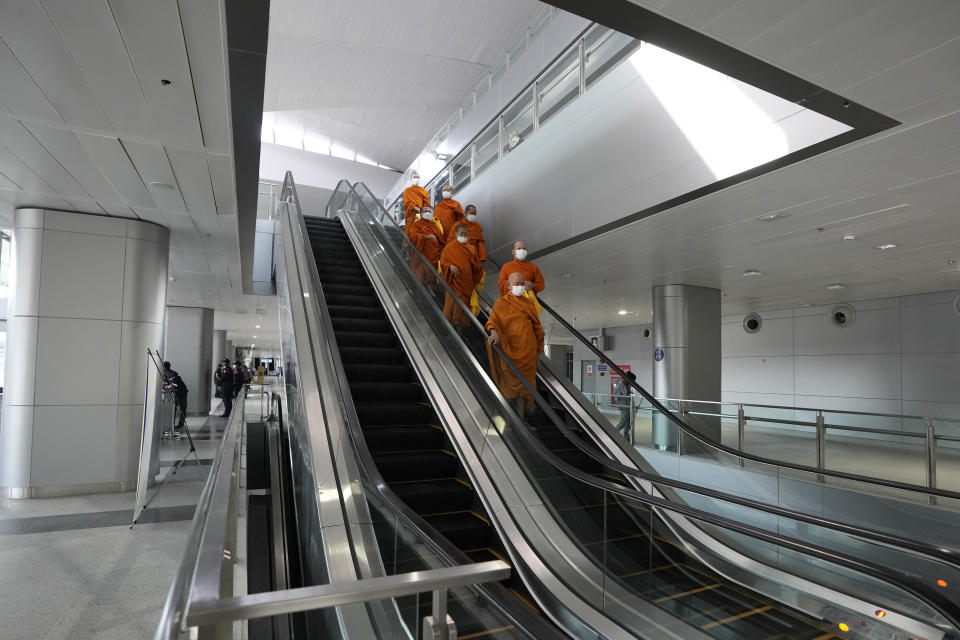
x,y
843,315
752,323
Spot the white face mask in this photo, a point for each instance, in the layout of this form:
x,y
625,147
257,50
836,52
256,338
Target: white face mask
x,y
426,215
448,194
461,239
415,182
471,217
521,254
517,289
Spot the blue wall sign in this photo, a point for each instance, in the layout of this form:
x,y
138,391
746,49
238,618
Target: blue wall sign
x,y
601,368
658,354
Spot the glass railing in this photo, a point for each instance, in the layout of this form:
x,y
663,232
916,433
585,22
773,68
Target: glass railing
x,y
580,499
576,69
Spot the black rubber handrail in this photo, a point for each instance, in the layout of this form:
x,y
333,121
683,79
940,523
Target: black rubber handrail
x,y
691,432
540,449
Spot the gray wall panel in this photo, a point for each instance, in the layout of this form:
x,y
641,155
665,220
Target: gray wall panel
x,y
74,445
78,361
81,275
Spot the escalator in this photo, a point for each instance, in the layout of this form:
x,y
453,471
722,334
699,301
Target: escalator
x,y
400,427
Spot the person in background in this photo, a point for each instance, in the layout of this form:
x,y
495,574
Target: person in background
x,y
474,233
427,236
240,377
225,383
173,383
623,398
448,211
514,324
414,198
461,269
532,278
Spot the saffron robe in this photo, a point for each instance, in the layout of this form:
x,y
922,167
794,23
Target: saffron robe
x,y
413,199
429,247
474,238
529,270
449,213
517,322
469,270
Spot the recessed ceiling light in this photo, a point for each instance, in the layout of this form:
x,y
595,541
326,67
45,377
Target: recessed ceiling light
x,y
836,286
770,217
622,312
565,275
849,237
162,185
751,273
254,336
886,245
256,327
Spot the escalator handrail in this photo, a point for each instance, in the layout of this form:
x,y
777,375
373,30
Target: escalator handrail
x,y
691,432
935,552
374,481
917,590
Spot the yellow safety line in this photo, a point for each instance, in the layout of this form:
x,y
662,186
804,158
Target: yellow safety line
x,y
464,483
523,600
739,616
632,574
687,593
492,551
448,513
488,632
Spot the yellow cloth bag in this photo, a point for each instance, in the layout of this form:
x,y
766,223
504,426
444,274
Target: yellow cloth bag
x,y
475,303
533,296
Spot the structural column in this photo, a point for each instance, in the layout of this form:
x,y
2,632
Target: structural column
x,y
88,300
219,347
189,340
686,357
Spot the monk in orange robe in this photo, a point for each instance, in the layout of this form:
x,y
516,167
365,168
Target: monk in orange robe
x,y
426,236
448,211
514,324
462,270
414,197
474,233
533,279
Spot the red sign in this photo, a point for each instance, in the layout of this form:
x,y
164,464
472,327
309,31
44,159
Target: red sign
x,y
615,377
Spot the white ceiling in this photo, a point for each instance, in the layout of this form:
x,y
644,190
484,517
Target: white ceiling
x,y
381,78
86,125
901,186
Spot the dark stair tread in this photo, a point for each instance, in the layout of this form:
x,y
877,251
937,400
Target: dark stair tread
x,y
406,438
341,311
391,414
379,372
371,392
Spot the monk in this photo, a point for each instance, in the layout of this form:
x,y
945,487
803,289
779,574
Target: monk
x,y
414,197
448,211
426,236
474,233
462,270
514,324
533,279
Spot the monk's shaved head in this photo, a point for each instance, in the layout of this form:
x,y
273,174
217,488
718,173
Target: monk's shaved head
x,y
470,208
447,187
461,227
516,278
519,244
426,209
415,174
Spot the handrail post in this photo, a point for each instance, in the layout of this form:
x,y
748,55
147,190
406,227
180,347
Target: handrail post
x,y
741,430
931,451
821,441
438,626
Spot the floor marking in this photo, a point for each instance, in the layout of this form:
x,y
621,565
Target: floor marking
x,y
687,593
739,616
488,632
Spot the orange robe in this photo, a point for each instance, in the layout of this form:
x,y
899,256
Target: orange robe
x,y
413,199
517,322
529,270
469,270
429,247
449,213
474,238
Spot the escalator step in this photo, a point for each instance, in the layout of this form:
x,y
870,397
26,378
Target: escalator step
x,y
340,311
390,414
345,300
436,496
378,372
404,438
464,529
415,466
330,287
366,339
360,324
372,355
387,392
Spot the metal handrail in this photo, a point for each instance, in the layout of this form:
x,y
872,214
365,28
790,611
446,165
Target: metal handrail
x,y
272,603
696,435
911,585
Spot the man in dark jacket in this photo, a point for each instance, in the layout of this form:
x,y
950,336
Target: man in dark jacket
x,y
226,386
173,383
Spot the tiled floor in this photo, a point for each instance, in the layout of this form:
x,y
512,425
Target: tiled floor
x,y
73,568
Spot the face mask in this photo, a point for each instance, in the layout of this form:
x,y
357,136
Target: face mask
x,y
521,254
448,194
426,215
517,289
415,182
461,239
471,217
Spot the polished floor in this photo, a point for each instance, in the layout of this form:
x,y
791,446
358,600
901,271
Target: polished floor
x,y
72,568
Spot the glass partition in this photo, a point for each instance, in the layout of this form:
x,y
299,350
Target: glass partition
x,y
518,121
559,85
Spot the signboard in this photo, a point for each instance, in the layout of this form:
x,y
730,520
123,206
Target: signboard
x,y
615,377
589,369
658,354
602,368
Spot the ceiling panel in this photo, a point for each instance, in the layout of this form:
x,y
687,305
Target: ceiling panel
x,y
114,163
193,177
201,19
152,164
154,38
20,174
90,32
21,95
28,32
21,143
749,17
221,176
